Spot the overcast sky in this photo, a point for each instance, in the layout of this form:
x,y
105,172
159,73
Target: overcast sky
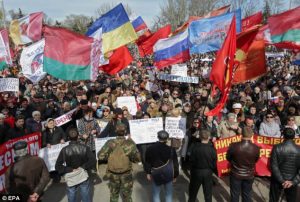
x,y
58,9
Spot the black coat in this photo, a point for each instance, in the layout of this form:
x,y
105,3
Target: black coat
x,y
4,133
285,162
16,132
203,156
158,154
53,137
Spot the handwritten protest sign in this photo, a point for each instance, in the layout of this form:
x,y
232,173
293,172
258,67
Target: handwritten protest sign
x,y
129,102
100,142
176,126
179,70
7,155
9,84
50,155
145,130
175,78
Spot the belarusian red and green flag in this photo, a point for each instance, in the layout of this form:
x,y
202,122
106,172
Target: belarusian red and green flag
x,y
70,56
285,29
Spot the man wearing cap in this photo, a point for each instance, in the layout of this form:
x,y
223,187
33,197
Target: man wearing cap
x,y
28,176
120,182
158,155
242,157
285,168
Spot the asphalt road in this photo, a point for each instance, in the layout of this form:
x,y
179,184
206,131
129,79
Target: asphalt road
x,y
56,192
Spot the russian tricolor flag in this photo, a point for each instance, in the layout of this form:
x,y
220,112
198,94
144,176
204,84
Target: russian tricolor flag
x,y
172,50
296,60
138,24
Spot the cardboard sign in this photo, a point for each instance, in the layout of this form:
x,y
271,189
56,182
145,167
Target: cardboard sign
x,y
145,130
175,78
9,84
176,127
179,70
100,142
129,102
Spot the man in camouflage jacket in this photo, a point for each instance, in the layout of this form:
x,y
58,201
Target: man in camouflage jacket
x,y
120,182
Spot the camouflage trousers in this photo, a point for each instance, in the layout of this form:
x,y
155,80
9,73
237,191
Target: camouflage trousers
x,y
120,184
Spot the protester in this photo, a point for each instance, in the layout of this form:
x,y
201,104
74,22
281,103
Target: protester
x,y
28,176
73,162
285,168
120,154
158,155
242,157
229,127
88,129
269,127
19,128
203,160
34,124
4,127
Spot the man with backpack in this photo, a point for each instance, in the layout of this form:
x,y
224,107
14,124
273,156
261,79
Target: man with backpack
x,y
119,153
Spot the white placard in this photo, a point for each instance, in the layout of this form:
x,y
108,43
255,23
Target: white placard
x,y
176,126
50,155
145,130
179,70
100,142
182,79
151,87
129,102
9,84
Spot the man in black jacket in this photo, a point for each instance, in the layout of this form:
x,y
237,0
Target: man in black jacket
x,y
158,155
285,168
242,157
203,159
72,158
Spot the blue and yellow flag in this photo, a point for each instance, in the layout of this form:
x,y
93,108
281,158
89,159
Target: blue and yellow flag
x,y
117,29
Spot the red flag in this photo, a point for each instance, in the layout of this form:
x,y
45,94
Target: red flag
x,y
252,20
120,59
222,69
253,65
146,44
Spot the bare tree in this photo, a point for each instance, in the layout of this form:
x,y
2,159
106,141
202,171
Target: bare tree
x,y
294,3
201,7
105,7
78,23
276,6
174,13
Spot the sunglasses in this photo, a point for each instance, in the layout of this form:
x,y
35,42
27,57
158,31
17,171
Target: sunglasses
x,y
196,122
269,117
106,110
292,120
125,110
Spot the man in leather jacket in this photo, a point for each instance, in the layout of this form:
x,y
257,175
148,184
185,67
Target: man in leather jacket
x,y
28,176
285,167
242,157
70,159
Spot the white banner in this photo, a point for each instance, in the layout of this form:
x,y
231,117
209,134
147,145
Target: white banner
x,y
275,55
145,130
63,119
179,70
9,84
128,102
99,143
176,126
50,155
182,79
31,61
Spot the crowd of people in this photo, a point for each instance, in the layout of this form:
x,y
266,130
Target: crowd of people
x,y
268,106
